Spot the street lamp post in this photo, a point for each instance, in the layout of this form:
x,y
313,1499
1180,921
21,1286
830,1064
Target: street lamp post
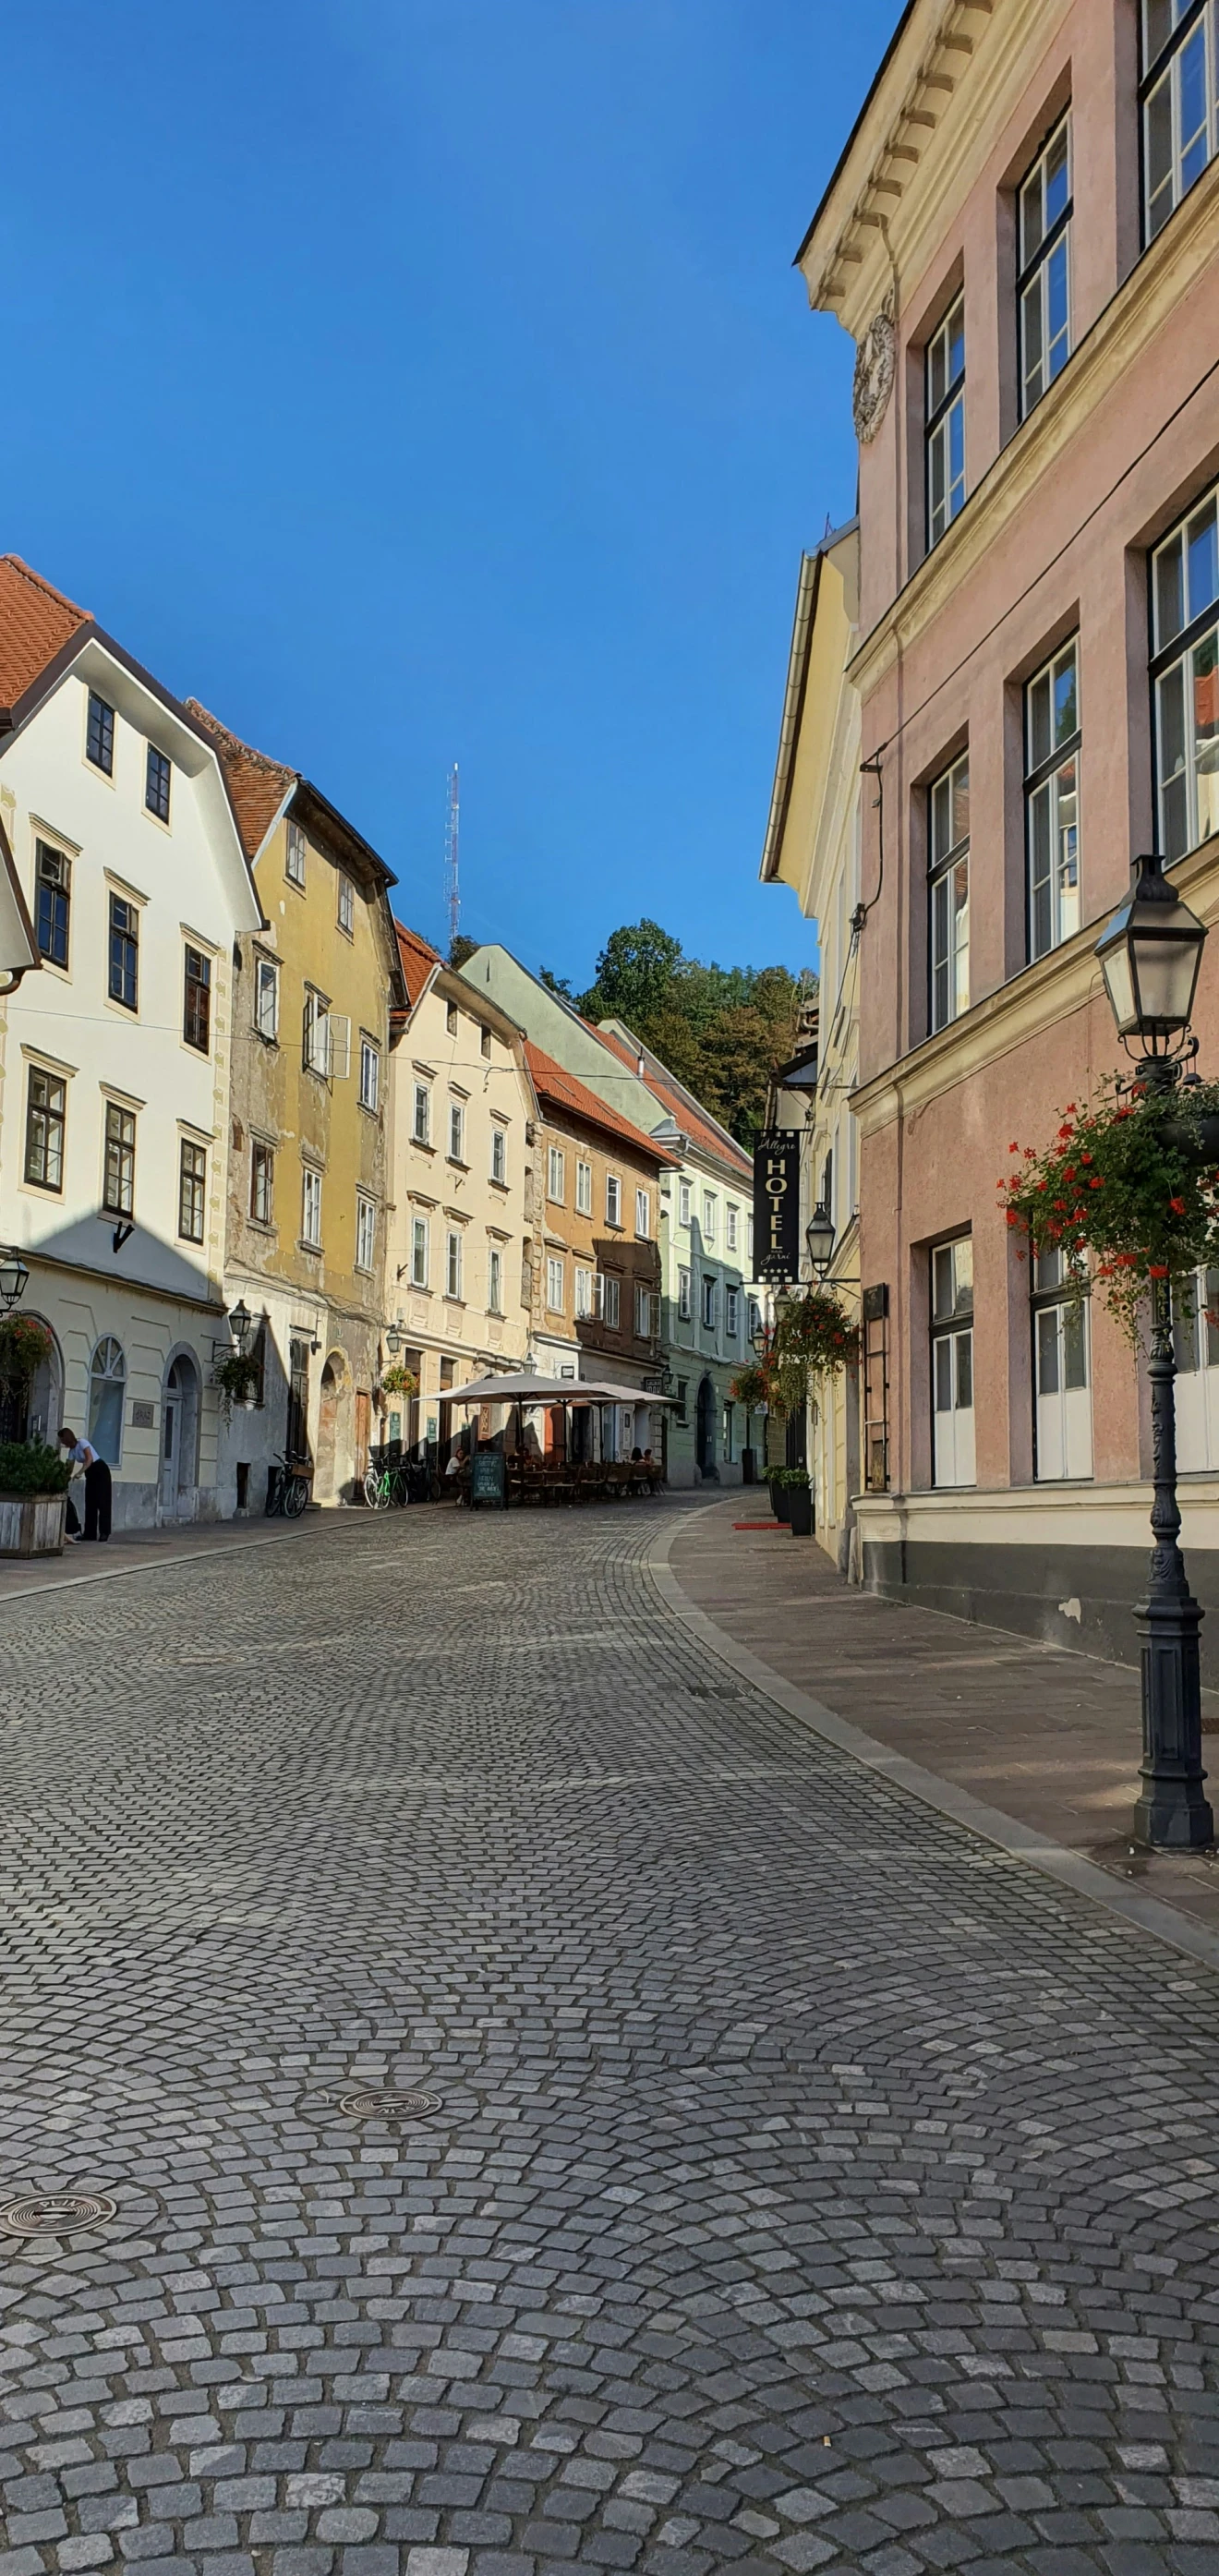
x,y
14,1280
1150,953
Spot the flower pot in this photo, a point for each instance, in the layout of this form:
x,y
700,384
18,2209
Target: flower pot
x,y
247,1404
780,1500
800,1499
32,1524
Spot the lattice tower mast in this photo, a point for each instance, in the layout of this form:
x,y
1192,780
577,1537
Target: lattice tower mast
x,y
452,885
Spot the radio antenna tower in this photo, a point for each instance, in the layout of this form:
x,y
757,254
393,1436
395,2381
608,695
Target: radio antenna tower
x,y
452,887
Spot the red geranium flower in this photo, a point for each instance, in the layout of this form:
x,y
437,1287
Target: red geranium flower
x,y
1177,1206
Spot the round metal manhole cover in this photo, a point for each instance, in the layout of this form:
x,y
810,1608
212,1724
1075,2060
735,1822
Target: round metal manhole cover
x,y
387,2106
56,2213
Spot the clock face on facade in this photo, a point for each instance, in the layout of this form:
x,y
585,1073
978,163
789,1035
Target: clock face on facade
x,y
875,365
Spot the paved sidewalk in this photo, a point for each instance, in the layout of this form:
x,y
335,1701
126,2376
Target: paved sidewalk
x,y
1050,1739
141,1551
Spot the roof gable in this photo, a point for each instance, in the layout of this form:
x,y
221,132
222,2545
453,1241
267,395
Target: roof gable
x,y
565,1091
419,961
36,621
257,784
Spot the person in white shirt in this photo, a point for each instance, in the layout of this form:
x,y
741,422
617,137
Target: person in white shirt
x,y
85,1460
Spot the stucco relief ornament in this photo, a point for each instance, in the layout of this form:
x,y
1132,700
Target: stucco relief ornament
x,y
875,367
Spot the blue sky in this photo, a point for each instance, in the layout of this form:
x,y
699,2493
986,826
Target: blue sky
x,y
427,380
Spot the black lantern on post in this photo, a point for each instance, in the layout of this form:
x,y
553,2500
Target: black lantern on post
x,y
1150,954
819,1236
240,1322
393,1341
14,1279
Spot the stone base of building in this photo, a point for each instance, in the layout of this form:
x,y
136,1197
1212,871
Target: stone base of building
x,y
1065,1566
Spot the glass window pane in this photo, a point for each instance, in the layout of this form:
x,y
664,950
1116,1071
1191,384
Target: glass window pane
x,y
964,1347
956,458
1034,342
937,384
1206,735
1047,1351
1039,720
956,343
943,1283
963,1271
960,937
1066,891
1170,604
1159,156
1066,699
1185,1326
1174,808
1074,1347
1203,561
1041,925
935,495
941,819
1047,1269
1211,1312
1058,313
1032,222
943,1375
1159,19
1191,109
1057,175
960,802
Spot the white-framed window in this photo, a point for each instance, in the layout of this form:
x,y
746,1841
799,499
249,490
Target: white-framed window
x,y
948,894
1044,253
347,904
556,1174
683,1399
554,1284
452,1262
1180,71
107,1391
1185,672
319,1037
311,1208
732,1312
294,864
118,1171
1062,1394
370,1074
262,1183
366,1233
266,998
419,1252
732,1220
192,1191
945,433
710,1300
584,1189
684,1306
608,1300
613,1199
457,1131
708,1217
499,1152
1051,799
647,1315
753,1317
643,1215
1195,1321
683,1203
421,1121
495,1280
584,1293
46,1112
952,1362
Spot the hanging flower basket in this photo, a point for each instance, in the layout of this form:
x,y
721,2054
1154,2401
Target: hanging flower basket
x,y
1129,1186
24,1345
400,1381
814,1337
751,1387
236,1376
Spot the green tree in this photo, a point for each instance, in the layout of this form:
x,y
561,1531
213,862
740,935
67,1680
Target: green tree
x,y
636,972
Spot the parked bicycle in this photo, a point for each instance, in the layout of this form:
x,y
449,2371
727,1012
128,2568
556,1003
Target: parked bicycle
x,y
383,1486
287,1488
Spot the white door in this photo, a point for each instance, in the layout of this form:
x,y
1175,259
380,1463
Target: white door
x,y
1064,1397
1196,1348
953,1356
171,1449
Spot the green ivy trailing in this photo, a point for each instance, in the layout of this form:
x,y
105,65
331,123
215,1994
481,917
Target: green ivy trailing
x,y
29,1467
236,1375
1131,1180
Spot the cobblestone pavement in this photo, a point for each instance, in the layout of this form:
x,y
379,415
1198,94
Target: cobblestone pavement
x,y
813,2186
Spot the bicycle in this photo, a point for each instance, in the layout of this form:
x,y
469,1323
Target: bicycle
x,y
287,1489
383,1486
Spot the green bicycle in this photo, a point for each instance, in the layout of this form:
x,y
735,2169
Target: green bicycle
x,y
383,1486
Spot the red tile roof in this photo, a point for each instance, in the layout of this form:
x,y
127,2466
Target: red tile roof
x,y
418,959
563,1091
256,784
35,622
694,1122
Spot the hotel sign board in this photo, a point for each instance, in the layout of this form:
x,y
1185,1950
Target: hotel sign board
x,y
776,1204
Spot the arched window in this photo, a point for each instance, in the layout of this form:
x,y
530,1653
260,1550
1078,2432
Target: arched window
x,y
107,1383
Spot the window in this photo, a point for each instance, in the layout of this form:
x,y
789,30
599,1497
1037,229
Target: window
x,y
643,1215
684,1306
262,1184
732,1218
347,904
450,1019
584,1293
946,423
1180,55
294,864
495,1280
370,1074
1044,285
457,1132
683,1203
107,1388
52,902
484,1040
749,1238
647,1315
1195,1318
709,1301
729,1432
266,998
683,1397
311,1209
366,1233
45,1117
608,1301
613,1200
732,1312
318,1049
452,1263
948,804
124,952
197,1000
555,1174
1051,800
192,1183
754,1317
554,1285
419,1252
156,784
584,1189
1185,667
99,734
499,1153
1063,1421
118,1185
952,1362
421,1128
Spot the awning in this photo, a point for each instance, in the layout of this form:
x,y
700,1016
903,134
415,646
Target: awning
x,y
525,1388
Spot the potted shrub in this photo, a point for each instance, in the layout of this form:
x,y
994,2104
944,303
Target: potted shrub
x,y
780,1497
799,1501
33,1498
236,1375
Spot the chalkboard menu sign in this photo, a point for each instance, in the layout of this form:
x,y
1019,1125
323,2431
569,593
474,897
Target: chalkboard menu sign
x,y
487,1477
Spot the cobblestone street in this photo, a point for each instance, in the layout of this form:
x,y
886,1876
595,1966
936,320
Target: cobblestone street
x,y
813,2184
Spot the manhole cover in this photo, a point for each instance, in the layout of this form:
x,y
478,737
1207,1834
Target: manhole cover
x,y
387,2106
56,2213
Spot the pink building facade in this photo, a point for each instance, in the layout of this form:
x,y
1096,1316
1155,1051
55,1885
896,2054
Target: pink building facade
x,y
1021,238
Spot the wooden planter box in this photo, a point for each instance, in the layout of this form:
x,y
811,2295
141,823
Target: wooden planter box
x,y
32,1524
